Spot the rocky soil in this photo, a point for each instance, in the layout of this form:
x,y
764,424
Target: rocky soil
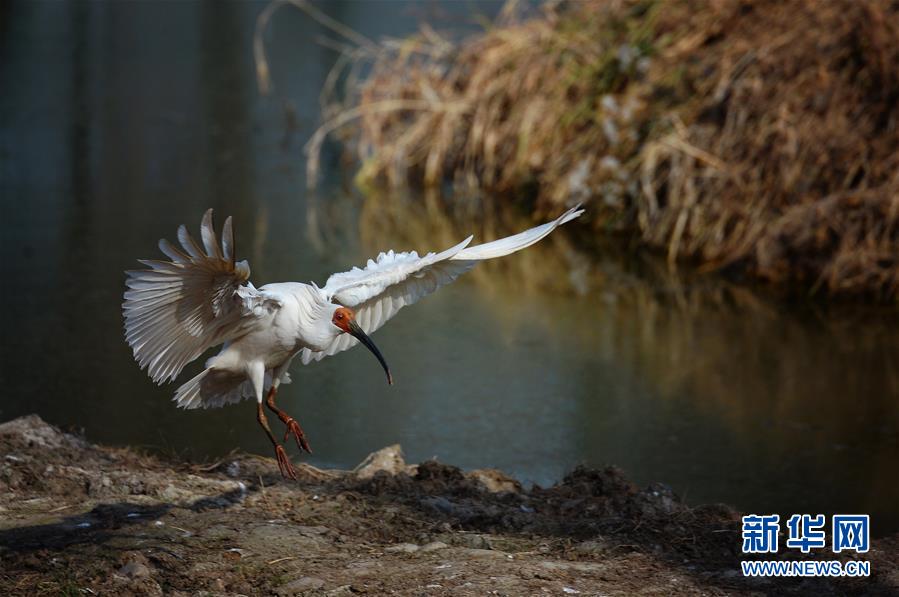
x,y
80,519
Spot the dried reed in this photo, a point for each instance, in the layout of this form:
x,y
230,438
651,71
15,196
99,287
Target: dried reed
x,y
758,136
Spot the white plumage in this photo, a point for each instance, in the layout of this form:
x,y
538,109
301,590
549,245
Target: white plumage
x,y
176,310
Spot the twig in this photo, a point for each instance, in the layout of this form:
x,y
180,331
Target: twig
x,y
263,76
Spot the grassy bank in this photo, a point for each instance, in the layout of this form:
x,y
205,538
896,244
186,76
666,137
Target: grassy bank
x,y
756,137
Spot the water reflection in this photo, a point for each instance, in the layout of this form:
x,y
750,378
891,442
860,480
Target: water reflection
x,y
120,121
707,383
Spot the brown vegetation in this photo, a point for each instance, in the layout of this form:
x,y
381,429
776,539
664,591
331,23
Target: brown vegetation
x,y
754,136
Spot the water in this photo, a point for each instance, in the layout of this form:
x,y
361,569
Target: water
x,y
120,121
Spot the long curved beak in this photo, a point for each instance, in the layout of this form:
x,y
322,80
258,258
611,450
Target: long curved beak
x,y
357,333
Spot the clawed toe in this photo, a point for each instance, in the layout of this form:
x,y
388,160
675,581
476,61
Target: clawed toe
x,y
284,464
294,429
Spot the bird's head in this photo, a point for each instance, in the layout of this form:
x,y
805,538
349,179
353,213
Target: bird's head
x,y
344,319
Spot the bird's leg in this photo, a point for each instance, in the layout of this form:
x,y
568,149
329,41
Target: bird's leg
x,y
293,428
287,470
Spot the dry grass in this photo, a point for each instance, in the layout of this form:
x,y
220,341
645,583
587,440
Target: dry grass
x,y
754,136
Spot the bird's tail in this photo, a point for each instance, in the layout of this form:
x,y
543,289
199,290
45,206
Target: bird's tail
x,y
213,388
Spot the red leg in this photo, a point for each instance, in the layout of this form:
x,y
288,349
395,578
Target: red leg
x,y
284,465
293,428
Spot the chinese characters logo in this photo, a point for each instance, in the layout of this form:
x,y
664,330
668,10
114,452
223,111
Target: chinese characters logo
x,y
850,532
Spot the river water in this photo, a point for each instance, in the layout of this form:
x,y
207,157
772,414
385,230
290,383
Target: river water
x,y
120,121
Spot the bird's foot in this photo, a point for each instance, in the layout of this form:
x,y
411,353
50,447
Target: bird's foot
x,y
294,429
287,470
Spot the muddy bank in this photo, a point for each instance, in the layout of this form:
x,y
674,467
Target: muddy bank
x,y
76,518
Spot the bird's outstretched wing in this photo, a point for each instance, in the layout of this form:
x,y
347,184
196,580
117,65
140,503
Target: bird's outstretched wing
x,y
386,285
177,309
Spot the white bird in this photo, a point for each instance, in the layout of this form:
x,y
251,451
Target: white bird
x,y
176,310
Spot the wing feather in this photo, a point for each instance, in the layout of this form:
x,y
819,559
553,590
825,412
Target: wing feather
x,y
175,310
207,233
228,240
396,280
189,244
172,253
517,242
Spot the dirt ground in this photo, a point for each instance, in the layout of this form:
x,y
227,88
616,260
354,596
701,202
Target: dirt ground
x,y
80,519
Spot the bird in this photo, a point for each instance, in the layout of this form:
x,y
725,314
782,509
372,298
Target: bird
x,y
201,297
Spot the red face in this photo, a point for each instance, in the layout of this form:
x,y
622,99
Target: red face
x,y
342,318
